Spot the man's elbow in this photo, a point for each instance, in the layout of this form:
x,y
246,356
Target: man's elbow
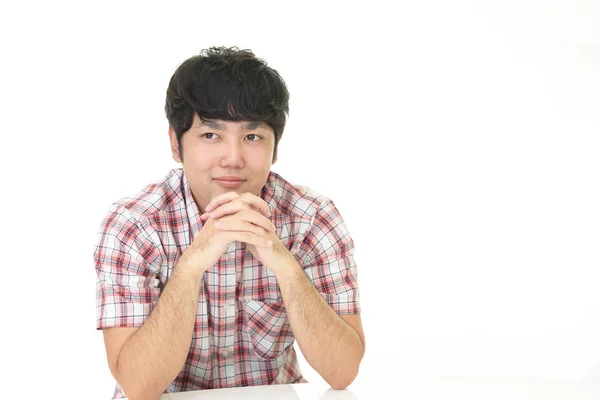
x,y
345,377
342,381
141,394
134,391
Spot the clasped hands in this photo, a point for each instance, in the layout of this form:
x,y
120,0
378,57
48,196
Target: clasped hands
x,y
237,217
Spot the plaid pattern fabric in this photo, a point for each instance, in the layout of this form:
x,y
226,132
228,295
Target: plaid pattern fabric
x,y
242,335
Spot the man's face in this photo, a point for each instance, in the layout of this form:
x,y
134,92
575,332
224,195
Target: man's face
x,y
223,156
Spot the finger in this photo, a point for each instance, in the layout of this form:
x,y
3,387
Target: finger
x,y
254,217
238,205
256,202
232,207
250,216
239,225
250,238
219,200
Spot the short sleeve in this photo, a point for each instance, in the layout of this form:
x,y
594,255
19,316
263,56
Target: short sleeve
x,y
126,262
327,255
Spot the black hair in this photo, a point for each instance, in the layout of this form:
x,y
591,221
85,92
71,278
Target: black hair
x,y
227,84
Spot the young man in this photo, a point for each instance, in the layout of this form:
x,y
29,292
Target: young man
x,y
207,277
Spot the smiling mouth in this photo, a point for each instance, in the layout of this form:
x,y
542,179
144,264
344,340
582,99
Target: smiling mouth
x,y
229,182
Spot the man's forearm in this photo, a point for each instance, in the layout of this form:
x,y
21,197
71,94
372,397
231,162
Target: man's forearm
x,y
155,354
329,344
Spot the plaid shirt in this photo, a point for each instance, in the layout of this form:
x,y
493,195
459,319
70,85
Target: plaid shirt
x,y
242,335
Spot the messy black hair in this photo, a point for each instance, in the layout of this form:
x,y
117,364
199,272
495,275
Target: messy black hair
x,y
227,84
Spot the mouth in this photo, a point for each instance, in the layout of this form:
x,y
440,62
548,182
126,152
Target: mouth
x,y
229,182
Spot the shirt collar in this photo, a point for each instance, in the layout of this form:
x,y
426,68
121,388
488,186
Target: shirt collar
x,y
192,210
267,193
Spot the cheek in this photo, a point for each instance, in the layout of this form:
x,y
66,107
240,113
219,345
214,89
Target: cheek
x,y
199,159
261,167
261,159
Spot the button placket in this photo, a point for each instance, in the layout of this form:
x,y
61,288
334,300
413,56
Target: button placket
x,y
229,255
228,314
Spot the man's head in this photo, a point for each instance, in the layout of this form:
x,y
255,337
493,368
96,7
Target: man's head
x,y
227,111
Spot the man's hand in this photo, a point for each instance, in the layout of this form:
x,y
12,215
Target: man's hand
x,y
242,213
231,202
212,241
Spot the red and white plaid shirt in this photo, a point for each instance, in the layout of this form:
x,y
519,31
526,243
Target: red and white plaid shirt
x,y
242,336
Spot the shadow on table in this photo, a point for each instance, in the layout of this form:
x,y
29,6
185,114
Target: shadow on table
x,y
267,392
332,394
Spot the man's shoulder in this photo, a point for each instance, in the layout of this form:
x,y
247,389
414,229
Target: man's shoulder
x,y
294,199
159,195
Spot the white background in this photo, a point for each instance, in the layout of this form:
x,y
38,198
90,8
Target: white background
x,y
458,139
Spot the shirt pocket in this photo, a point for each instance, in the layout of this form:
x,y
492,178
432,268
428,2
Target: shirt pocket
x,y
267,327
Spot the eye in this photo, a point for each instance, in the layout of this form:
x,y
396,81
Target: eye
x,y
253,138
209,135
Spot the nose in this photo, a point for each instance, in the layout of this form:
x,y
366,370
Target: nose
x,y
233,155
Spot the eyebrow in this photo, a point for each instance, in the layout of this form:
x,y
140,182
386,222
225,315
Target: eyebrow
x,y
252,125
249,126
211,124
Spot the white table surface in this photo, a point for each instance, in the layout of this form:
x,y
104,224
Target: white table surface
x,y
407,390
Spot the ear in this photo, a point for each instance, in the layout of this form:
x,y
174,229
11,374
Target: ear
x,y
275,155
174,145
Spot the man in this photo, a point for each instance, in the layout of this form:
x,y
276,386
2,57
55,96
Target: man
x,y
207,277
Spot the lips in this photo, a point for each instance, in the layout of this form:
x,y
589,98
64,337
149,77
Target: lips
x,y
229,181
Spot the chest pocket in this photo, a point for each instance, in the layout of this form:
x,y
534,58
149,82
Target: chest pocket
x,y
265,322
268,328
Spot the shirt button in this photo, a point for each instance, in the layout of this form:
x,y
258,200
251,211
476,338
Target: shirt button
x,y
225,353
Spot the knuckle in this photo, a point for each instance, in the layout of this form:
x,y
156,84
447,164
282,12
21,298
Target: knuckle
x,y
220,226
